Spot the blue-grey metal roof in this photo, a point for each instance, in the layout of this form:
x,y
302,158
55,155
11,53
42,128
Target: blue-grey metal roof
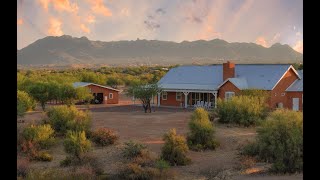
x,y
259,76
80,84
192,78
241,83
298,84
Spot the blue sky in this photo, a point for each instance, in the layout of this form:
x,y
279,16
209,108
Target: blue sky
x,y
264,22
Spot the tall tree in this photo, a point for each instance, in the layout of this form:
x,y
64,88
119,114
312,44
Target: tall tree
x,y
144,93
40,92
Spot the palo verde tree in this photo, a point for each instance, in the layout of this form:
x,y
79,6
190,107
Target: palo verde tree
x,y
40,92
144,93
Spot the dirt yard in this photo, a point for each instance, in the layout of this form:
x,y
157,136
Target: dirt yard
x,y
132,123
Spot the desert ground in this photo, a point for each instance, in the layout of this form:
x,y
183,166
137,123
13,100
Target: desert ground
x,y
132,123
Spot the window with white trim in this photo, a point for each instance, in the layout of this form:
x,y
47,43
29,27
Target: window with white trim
x,y
283,94
228,95
178,96
164,95
110,96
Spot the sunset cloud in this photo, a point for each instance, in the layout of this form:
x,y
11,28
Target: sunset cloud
x,y
261,41
98,7
298,33
19,21
65,5
91,19
84,28
298,46
55,27
60,5
44,4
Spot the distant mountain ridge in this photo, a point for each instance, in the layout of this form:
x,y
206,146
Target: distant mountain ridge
x,y
66,50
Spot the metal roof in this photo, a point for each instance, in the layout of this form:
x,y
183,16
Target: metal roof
x,y
298,84
259,76
82,84
192,77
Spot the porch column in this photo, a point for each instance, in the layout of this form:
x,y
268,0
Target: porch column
x,y
215,99
159,99
185,99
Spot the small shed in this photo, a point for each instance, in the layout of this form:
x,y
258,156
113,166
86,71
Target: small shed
x,y
102,94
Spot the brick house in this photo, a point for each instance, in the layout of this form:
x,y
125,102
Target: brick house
x,y
194,84
102,94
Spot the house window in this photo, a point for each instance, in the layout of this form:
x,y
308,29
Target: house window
x,y
110,96
178,96
228,95
280,105
164,95
283,94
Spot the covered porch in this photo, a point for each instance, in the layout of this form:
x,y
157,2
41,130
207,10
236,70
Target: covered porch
x,y
188,98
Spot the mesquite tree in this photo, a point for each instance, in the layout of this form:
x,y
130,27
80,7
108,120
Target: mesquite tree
x,y
144,93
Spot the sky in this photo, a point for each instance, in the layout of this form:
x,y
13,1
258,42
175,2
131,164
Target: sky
x,y
264,22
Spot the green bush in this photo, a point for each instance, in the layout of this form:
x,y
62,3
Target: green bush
x,y
133,149
162,164
135,171
201,135
26,100
64,118
43,156
41,135
175,149
280,141
81,173
104,137
242,110
76,143
21,109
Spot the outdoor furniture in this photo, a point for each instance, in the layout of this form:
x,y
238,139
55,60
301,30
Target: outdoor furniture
x,y
210,105
206,105
198,104
202,104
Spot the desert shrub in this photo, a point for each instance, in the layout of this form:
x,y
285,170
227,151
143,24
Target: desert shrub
x,y
201,135
22,167
280,141
132,149
68,161
242,110
76,143
26,100
162,164
43,156
104,137
64,118
135,171
175,149
82,173
41,135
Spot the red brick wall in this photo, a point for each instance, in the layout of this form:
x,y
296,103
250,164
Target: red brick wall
x,y
228,86
171,100
275,94
291,95
228,70
97,89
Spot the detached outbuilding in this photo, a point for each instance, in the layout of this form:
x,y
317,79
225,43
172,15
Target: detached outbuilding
x,y
102,94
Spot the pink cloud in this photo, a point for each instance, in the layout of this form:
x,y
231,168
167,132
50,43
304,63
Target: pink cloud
x,y
55,27
91,19
298,46
98,7
60,5
84,28
20,22
261,41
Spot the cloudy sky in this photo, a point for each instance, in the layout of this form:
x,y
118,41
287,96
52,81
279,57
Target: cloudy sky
x,y
264,22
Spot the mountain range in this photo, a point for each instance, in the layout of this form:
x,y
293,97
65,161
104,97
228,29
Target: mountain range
x,y
68,50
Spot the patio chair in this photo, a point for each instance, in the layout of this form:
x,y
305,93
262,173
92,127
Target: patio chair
x,y
198,104
202,103
210,105
206,105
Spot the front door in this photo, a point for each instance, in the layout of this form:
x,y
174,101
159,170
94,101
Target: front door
x,y
295,104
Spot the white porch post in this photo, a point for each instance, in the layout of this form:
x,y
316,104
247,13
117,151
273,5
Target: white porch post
x,y
185,99
215,99
159,99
